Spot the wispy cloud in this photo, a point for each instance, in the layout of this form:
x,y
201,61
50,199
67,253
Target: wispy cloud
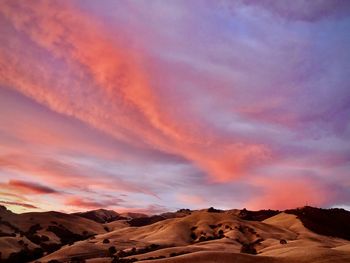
x,y
25,205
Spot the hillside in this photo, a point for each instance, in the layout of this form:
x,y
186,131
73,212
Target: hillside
x,y
195,236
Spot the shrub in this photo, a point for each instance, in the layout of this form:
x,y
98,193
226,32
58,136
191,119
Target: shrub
x,y
248,249
202,238
213,210
123,260
112,250
34,238
105,241
25,255
193,236
283,242
174,254
65,235
50,247
240,229
44,238
77,260
257,215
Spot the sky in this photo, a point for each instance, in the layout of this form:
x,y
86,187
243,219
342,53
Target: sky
x,y
152,106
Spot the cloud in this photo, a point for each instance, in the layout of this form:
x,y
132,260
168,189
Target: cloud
x,y
151,209
19,204
31,188
114,74
56,172
301,10
290,192
89,203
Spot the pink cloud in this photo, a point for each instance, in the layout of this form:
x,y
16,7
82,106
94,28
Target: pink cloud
x,y
88,203
118,77
30,187
289,193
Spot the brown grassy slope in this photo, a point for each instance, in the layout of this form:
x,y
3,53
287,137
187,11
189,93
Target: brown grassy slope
x,y
197,231
48,231
100,215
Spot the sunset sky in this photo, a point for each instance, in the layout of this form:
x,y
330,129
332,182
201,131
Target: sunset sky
x,y
153,106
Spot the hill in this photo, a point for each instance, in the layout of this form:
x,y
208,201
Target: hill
x,y
207,235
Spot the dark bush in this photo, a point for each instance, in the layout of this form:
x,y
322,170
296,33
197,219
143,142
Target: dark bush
x,y
54,261
66,236
329,222
25,255
257,215
112,250
193,236
51,247
283,241
221,232
44,238
202,238
213,210
144,221
35,239
174,254
77,260
105,241
123,260
106,229
240,228
33,229
154,246
248,249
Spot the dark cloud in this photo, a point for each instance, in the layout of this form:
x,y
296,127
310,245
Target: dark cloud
x,y
33,188
19,204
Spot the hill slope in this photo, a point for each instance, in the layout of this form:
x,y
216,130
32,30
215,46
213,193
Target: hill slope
x,y
192,236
